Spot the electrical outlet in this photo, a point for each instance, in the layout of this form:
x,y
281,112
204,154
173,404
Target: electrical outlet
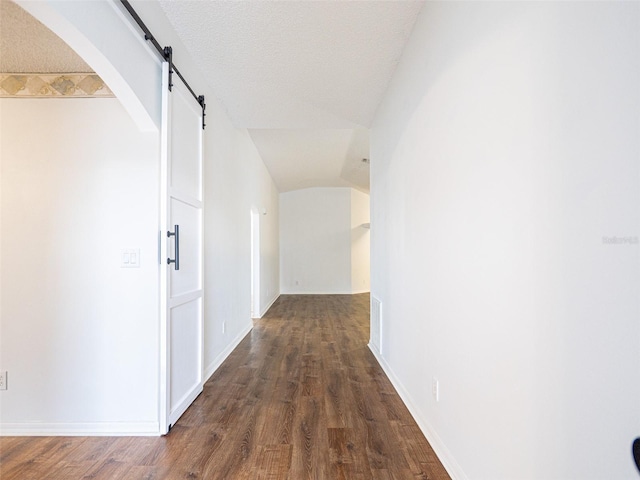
x,y
3,380
435,389
224,327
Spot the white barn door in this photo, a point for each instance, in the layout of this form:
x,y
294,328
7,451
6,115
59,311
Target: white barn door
x,y
181,362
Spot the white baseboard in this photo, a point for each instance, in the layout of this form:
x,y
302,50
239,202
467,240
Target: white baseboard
x,y
132,429
213,366
119,429
357,292
266,309
446,458
184,403
293,292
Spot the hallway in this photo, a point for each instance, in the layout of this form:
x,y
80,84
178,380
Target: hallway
x,y
301,397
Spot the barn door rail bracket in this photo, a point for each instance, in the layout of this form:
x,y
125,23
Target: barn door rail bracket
x,y
168,56
166,53
204,107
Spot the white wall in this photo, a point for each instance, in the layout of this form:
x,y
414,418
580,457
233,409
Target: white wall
x,y
323,248
78,333
236,180
315,240
506,148
360,242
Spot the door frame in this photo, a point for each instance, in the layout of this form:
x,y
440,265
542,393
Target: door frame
x,y
255,263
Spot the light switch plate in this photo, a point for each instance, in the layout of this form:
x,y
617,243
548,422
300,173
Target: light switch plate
x,y
130,258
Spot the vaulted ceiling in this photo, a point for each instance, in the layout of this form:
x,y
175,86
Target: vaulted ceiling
x,y
305,77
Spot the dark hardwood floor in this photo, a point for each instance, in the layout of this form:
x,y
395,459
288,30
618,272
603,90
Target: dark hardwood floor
x,y
300,398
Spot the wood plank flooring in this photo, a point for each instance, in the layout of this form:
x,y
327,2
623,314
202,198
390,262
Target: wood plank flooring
x,y
300,398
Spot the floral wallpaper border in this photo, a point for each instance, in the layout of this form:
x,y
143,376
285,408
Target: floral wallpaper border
x,y
53,85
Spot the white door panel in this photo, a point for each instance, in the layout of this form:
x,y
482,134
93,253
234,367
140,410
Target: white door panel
x,y
185,358
186,143
181,362
188,278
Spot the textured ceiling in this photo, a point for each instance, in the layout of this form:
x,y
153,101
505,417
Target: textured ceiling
x,y
27,46
296,64
307,67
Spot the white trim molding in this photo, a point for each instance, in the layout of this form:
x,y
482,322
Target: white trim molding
x,y
360,291
213,366
317,292
444,455
121,429
269,305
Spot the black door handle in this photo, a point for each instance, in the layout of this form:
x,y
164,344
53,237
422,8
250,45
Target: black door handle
x,y
176,247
